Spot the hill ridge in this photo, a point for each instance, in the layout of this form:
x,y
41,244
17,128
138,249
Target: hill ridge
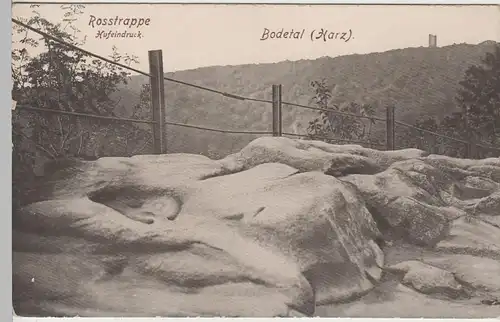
x,y
419,81
483,43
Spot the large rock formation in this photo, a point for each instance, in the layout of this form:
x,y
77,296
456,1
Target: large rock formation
x,y
278,229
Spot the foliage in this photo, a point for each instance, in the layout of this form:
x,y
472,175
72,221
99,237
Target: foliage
x,y
49,75
479,98
412,138
477,120
335,123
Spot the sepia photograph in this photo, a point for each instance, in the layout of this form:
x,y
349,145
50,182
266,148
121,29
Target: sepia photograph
x,y
250,160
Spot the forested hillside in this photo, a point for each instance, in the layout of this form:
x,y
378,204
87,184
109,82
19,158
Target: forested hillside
x,y
420,82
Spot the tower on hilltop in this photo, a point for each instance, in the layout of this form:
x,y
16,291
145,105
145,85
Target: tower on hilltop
x,y
432,40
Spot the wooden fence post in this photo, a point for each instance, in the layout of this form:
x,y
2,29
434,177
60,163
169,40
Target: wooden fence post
x,y
390,128
157,100
471,149
277,110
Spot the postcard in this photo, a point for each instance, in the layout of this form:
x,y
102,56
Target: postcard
x,y
238,160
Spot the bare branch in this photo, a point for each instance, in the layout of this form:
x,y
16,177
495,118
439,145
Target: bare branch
x,y
38,146
146,142
53,149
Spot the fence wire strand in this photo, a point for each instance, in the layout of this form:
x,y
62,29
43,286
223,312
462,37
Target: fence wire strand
x,y
429,132
238,97
44,34
54,111
62,42
480,144
334,111
225,94
218,130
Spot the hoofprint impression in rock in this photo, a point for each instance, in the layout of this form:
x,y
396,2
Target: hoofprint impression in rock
x,y
274,230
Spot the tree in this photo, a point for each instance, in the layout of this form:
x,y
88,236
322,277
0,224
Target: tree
x,y
50,75
337,126
412,138
477,119
479,99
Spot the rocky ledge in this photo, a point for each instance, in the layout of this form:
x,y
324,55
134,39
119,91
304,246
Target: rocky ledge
x,y
282,228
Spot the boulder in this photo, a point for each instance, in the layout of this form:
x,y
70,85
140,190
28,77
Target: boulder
x,y
492,220
317,155
406,202
421,198
159,235
400,301
277,229
428,279
480,273
473,236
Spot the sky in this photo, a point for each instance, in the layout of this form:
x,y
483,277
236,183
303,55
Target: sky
x,y
193,36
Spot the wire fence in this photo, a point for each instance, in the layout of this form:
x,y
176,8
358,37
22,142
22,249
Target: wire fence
x,y
335,139
53,128
160,121
439,143
225,95
336,112
132,120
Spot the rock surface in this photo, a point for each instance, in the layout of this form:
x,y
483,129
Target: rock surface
x,y
281,228
428,279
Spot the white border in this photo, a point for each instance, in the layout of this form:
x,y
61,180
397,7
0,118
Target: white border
x,y
5,144
400,2
25,319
